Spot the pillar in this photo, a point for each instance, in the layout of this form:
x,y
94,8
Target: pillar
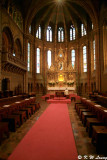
x,y
25,59
0,41
98,65
88,67
77,67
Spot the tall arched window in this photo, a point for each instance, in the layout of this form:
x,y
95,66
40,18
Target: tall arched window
x,y
49,34
83,30
72,33
49,58
28,58
73,58
94,55
38,33
84,59
60,34
38,60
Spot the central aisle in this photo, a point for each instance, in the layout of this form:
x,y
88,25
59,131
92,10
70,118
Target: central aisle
x,y
50,138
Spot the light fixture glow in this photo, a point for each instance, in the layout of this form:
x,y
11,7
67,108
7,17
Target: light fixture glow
x,y
59,2
61,78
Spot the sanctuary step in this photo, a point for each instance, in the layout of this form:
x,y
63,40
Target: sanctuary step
x,y
59,98
59,101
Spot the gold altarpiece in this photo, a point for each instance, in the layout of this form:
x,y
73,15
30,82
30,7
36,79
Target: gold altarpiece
x,y
61,75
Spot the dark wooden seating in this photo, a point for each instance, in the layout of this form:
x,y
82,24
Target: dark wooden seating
x,y
99,137
10,100
80,107
77,103
14,110
22,114
32,111
4,129
28,111
33,108
83,110
25,106
94,117
13,115
13,120
91,122
100,120
37,105
86,115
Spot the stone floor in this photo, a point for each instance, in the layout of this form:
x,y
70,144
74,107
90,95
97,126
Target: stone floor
x,y
83,143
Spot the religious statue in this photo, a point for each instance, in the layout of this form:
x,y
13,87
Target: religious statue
x,y
61,66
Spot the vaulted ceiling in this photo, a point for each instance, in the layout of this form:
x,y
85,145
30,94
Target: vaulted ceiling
x,y
56,12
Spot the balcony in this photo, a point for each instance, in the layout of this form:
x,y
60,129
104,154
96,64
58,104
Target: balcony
x,y
8,58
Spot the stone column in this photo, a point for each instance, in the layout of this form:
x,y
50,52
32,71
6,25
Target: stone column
x,y
45,68
25,59
34,69
98,65
0,41
88,67
77,67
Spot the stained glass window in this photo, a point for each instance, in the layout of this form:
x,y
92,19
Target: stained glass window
x,y
60,34
84,59
73,58
38,32
83,30
49,58
49,34
38,60
72,33
28,59
94,55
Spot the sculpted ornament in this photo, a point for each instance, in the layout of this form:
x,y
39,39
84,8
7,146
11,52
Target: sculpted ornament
x,y
61,74
52,69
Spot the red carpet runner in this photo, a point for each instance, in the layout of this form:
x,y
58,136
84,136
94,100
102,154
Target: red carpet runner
x,y
50,138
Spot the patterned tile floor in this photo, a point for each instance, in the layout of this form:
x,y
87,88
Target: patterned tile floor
x,y
83,142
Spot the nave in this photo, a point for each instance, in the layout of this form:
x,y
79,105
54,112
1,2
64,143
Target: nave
x,y
82,140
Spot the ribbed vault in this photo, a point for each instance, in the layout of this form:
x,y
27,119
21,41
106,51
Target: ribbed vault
x,y
59,11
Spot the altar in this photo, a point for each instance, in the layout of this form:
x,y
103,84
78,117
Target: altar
x,y
61,75
53,90
61,88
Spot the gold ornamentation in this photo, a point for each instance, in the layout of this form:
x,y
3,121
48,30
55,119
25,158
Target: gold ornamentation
x,y
61,74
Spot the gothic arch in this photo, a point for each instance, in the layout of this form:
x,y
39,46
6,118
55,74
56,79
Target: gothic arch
x,y
7,40
18,48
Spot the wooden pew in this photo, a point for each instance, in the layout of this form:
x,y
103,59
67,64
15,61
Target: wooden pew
x,y
99,137
4,129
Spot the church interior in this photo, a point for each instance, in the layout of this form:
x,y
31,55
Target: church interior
x,y
53,53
